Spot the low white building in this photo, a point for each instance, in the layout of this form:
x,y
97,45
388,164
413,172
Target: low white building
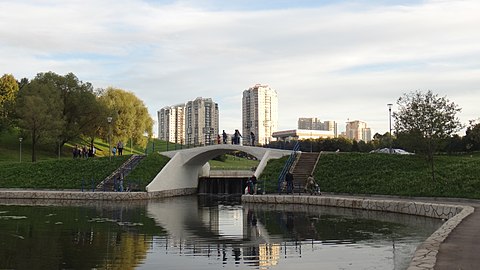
x,y
302,134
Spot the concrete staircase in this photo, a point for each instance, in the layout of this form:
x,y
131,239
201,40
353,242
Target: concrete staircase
x,y
108,184
303,167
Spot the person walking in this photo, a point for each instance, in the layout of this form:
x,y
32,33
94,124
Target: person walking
x,y
253,180
289,180
120,148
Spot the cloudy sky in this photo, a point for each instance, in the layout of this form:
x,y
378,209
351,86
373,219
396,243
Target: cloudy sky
x,y
336,60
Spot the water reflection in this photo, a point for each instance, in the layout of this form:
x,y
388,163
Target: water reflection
x,y
203,233
279,235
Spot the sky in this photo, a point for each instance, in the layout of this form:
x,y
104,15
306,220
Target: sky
x,y
334,60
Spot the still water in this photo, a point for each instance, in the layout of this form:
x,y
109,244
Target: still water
x,y
204,233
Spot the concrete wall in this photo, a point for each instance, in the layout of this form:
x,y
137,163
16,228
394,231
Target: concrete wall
x,y
102,196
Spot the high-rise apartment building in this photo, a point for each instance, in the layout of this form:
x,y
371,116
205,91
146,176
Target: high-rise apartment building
x,y
314,123
259,113
358,131
201,122
193,123
171,124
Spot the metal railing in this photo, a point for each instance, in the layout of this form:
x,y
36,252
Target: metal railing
x,y
288,164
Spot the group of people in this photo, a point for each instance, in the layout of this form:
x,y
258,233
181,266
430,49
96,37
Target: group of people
x,y
310,186
86,152
83,152
236,137
118,148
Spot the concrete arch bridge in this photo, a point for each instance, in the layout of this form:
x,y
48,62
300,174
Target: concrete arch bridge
x,y
187,165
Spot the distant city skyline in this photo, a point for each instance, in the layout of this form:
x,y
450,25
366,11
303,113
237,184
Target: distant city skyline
x,y
339,60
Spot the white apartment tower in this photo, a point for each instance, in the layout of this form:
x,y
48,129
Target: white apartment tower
x,y
171,124
358,131
259,113
201,122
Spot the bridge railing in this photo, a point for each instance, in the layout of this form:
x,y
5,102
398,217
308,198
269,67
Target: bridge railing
x,y
288,164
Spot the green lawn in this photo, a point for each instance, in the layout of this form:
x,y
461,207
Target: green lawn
x,y
363,173
58,174
233,163
456,176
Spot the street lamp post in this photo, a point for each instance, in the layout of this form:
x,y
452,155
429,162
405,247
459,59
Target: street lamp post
x,y
390,126
20,139
109,120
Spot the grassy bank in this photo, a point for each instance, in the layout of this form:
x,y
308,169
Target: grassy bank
x,y
57,174
233,163
147,169
357,173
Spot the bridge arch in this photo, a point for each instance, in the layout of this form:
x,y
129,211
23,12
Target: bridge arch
x,y
185,166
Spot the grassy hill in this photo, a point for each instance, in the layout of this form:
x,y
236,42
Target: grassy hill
x,y
361,173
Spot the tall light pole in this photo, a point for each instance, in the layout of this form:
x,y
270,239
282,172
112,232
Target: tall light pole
x,y
109,120
390,125
20,140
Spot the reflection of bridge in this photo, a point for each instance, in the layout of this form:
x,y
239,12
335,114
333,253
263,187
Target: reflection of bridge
x,y
186,165
185,219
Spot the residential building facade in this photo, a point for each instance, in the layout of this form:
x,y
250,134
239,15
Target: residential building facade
x,y
171,124
302,134
358,131
314,123
259,113
201,122
193,123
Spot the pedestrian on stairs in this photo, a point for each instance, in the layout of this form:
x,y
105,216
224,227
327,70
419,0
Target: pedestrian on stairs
x,y
289,180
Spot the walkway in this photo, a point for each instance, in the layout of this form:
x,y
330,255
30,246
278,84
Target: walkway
x,y
461,248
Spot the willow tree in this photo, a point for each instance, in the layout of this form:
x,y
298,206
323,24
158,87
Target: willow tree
x,y
130,118
8,94
424,119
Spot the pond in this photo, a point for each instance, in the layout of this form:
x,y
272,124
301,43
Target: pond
x,y
198,232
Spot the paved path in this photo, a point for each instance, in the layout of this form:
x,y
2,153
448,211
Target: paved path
x,y
461,249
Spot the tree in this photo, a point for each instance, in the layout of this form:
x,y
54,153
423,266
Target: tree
x,y
472,136
79,107
423,119
8,95
130,117
39,111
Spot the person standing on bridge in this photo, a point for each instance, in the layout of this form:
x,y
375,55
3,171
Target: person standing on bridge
x,y
224,135
252,138
236,137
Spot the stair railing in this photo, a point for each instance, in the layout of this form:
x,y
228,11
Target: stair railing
x,y
288,164
316,162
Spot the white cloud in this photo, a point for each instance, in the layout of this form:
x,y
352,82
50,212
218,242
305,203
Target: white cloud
x,y
335,62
